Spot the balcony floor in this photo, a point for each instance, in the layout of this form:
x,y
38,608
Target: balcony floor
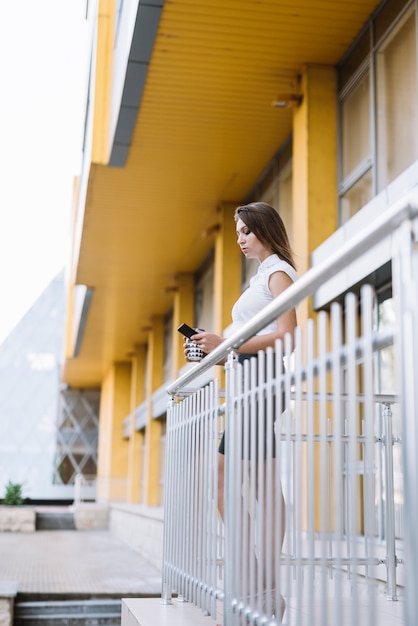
x,y
151,612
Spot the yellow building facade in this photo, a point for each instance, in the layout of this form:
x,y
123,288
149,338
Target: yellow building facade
x,y
194,108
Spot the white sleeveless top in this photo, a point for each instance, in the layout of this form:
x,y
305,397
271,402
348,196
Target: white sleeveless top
x,y
258,294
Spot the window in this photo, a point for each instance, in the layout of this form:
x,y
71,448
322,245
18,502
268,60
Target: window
x,y
378,107
168,347
355,114
275,188
204,297
357,196
397,118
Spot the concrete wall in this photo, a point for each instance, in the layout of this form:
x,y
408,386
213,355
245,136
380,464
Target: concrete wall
x,y
8,591
141,528
17,519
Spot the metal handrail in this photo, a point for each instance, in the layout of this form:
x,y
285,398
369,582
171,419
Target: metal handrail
x,y
379,229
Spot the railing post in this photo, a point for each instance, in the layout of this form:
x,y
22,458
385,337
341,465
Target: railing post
x,y
391,560
166,589
405,281
230,509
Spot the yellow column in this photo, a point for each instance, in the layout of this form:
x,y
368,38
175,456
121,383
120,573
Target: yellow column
x,y
314,178
227,274
153,428
183,311
112,463
136,437
314,166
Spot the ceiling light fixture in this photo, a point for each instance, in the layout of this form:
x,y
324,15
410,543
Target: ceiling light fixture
x,y
287,100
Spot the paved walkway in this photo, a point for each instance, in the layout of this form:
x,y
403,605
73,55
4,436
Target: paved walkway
x,y
75,562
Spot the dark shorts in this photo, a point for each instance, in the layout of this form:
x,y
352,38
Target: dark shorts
x,y
268,424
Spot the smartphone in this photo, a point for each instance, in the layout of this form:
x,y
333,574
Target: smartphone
x,y
186,330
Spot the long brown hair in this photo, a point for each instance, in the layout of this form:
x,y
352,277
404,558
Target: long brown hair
x,y
267,225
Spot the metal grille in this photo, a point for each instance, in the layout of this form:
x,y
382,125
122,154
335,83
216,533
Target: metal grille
x,y
77,434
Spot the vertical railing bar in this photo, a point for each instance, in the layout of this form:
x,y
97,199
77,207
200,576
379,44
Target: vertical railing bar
x,y
244,527
177,494
298,477
180,491
212,513
183,497
404,283
253,478
196,506
367,310
218,566
204,528
219,429
278,512
352,453
284,475
194,479
166,590
231,454
311,465
240,543
237,540
377,378
336,333
181,494
214,494
391,592
268,536
208,580
206,543
324,469
259,489
202,499
289,477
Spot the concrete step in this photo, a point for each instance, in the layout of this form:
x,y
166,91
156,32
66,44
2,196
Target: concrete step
x,y
69,612
55,520
151,612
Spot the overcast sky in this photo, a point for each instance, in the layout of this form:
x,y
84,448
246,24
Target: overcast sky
x,y
43,70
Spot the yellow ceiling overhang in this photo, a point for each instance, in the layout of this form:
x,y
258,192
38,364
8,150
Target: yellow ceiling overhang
x,y
205,130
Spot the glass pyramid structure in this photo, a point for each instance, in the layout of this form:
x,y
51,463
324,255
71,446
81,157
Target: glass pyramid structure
x,y
48,432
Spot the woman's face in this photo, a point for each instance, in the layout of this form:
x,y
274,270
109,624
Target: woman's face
x,y
250,246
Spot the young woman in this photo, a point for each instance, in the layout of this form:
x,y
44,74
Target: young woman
x,y
261,235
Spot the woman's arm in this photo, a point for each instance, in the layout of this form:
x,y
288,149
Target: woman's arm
x,y
286,323
278,282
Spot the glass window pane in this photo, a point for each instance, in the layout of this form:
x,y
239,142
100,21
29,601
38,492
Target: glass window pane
x,y
168,347
279,196
354,59
355,113
386,17
397,118
204,296
357,196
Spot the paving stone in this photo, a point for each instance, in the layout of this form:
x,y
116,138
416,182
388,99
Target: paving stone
x,y
75,562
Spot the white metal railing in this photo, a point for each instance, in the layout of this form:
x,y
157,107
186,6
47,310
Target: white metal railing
x,y
314,551
84,488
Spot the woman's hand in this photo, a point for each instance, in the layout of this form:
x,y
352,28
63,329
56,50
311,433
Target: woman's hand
x,y
206,341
